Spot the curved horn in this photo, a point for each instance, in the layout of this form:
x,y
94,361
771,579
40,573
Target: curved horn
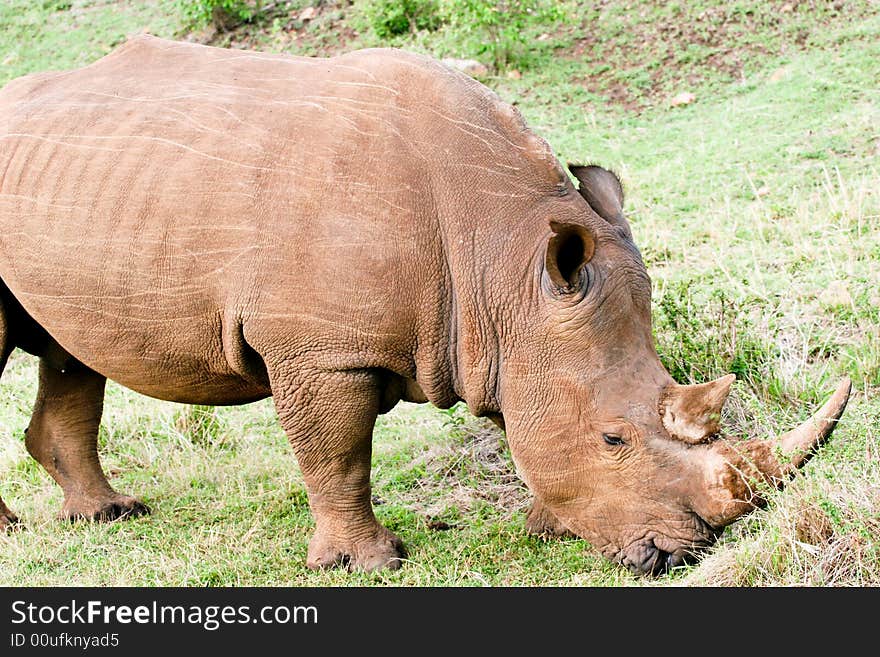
x,y
737,471
692,413
799,445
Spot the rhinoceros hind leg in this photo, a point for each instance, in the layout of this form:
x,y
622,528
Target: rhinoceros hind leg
x,y
329,418
542,522
8,520
63,437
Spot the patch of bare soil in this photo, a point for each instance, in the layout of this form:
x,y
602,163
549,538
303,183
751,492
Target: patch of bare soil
x,y
471,468
639,53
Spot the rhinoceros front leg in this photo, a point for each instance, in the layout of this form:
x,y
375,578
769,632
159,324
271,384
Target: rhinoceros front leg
x,y
543,523
329,418
63,437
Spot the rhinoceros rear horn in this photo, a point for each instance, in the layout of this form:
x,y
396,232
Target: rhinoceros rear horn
x,y
602,190
692,413
570,247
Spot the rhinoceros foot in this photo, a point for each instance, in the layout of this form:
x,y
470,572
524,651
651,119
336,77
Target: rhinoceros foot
x,y
9,522
541,522
116,507
382,550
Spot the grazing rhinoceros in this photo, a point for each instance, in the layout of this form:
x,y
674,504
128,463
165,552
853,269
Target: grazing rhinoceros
x,y
214,226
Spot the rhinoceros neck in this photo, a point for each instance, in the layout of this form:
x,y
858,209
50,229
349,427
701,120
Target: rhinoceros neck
x,y
494,269
472,356
494,194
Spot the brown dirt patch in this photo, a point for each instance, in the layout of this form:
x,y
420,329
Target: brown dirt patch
x,y
471,468
637,54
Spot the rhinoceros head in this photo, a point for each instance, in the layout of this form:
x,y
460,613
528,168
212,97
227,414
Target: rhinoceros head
x,y
616,450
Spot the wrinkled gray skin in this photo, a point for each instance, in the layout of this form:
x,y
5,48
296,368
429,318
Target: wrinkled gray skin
x,y
211,226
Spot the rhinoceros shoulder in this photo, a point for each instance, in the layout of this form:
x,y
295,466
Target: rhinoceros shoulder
x,y
449,94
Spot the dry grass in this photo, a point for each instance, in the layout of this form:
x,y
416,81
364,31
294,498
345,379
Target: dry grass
x,y
470,467
821,532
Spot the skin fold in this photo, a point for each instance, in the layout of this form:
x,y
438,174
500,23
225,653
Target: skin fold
x,y
217,226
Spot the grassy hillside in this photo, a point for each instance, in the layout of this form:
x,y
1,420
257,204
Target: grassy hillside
x,y
756,205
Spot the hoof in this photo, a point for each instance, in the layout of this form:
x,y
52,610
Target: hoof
x,y
541,522
9,523
115,508
383,551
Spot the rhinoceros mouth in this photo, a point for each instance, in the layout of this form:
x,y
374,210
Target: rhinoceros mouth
x,y
645,558
656,555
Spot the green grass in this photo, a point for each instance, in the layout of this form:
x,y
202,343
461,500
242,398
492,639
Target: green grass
x,y
756,208
57,34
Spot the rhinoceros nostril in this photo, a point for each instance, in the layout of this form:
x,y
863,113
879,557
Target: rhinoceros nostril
x,y
647,559
660,563
674,560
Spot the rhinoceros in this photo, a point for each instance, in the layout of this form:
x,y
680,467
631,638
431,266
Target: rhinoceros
x,y
212,226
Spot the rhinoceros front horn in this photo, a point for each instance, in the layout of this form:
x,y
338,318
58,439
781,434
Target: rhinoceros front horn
x,y
738,472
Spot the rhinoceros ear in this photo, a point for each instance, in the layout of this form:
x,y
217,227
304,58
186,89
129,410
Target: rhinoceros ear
x,y
604,193
570,247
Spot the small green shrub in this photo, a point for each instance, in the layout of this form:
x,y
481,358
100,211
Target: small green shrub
x,y
390,18
699,339
201,424
224,14
57,5
501,29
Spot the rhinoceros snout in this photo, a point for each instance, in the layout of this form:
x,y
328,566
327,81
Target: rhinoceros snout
x,y
656,555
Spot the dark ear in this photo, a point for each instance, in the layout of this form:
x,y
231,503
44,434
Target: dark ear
x,y
570,247
602,190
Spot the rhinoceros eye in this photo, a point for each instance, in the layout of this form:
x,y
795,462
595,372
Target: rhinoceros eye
x,y
612,439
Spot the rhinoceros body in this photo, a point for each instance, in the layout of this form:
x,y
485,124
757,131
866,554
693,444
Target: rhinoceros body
x,y
212,226
177,216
